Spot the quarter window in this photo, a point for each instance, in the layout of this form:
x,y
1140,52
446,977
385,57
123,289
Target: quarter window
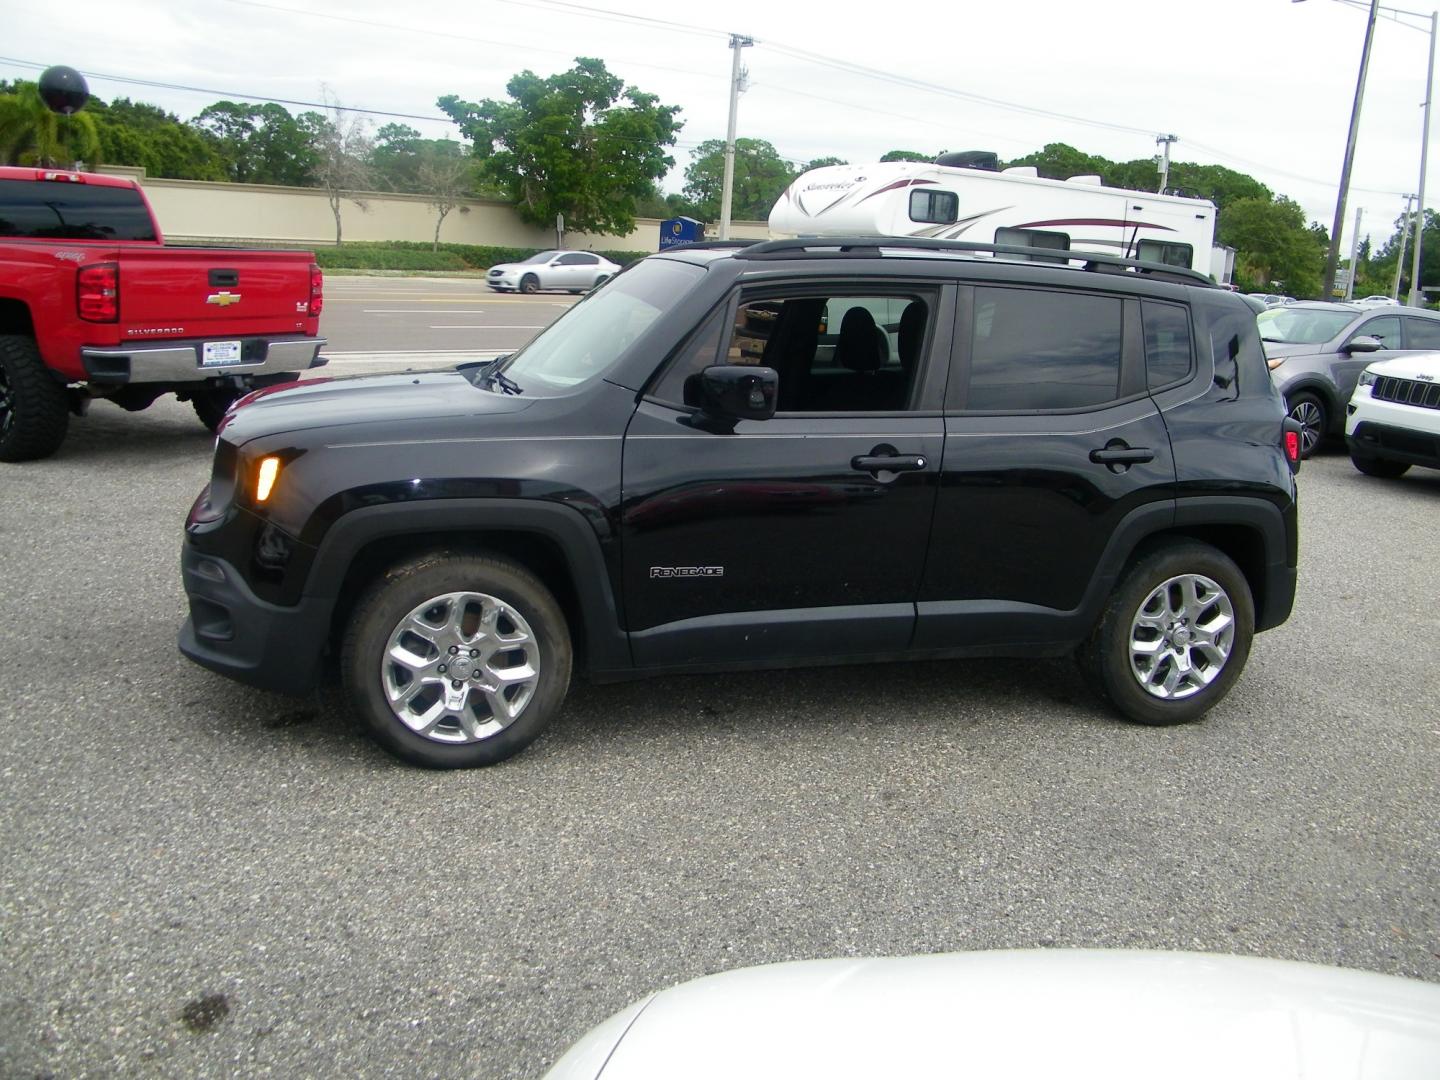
x,y
1167,343
1042,350
934,207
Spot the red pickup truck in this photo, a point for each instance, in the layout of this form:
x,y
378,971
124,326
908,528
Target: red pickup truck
x,y
93,304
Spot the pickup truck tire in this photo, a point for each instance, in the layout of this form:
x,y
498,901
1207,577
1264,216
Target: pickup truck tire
x,y
455,661
210,405
34,411
1173,637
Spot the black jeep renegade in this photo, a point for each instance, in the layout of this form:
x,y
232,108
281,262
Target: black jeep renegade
x,y
795,452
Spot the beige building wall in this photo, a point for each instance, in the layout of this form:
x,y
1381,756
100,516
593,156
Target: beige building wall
x,y
191,211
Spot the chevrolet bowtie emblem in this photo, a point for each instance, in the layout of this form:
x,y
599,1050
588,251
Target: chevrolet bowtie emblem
x,y
223,299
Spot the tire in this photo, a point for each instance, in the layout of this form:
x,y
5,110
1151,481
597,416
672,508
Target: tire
x,y
426,608
529,284
1148,593
1381,467
34,410
600,281
210,405
1310,413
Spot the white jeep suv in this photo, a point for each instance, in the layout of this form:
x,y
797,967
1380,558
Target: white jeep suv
x,y
1393,420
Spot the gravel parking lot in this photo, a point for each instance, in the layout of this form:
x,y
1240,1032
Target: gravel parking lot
x,y
203,880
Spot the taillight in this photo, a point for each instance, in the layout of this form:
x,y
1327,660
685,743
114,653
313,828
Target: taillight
x,y
317,289
1290,441
97,292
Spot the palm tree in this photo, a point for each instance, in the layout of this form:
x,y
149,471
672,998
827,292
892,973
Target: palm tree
x,y
30,134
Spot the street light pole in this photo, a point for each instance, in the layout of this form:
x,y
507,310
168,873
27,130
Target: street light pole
x,y
1400,259
1333,256
727,188
1416,297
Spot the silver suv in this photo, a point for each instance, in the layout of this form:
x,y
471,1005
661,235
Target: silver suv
x,y
1317,351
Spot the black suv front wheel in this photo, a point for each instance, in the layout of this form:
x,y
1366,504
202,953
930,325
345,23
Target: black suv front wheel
x,y
456,661
1174,637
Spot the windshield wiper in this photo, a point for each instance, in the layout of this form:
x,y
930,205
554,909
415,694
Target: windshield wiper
x,y
491,375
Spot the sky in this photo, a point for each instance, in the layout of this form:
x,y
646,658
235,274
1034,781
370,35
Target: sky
x,y
1263,86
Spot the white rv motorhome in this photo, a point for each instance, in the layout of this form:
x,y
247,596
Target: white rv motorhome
x,y
1014,207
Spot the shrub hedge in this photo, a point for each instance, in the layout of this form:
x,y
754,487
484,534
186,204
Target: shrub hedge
x,y
413,255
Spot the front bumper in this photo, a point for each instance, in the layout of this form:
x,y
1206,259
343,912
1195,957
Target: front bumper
x,y
1411,446
180,361
232,631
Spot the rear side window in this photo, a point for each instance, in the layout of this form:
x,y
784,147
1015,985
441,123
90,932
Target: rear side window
x,y
1167,343
57,210
1422,333
1041,350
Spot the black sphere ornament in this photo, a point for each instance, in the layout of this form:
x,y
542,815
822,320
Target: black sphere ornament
x,y
63,89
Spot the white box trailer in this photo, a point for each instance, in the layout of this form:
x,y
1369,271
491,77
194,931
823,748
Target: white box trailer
x,y
1013,207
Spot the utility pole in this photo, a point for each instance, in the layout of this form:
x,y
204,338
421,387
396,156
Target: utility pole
x,y
1400,261
1417,298
1354,249
1333,257
1164,141
737,79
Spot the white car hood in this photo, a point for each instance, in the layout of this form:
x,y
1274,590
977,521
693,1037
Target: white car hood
x,y
1422,366
1038,1015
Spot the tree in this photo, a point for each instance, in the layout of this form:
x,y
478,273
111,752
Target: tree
x,y
445,178
1273,245
761,176
907,155
30,134
342,147
566,145
260,144
135,133
822,163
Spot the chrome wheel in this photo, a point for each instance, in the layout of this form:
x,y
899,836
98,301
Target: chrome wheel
x,y
1181,637
1311,417
460,667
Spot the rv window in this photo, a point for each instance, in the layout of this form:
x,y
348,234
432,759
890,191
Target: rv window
x,y
1167,343
1158,251
934,207
1040,350
1032,238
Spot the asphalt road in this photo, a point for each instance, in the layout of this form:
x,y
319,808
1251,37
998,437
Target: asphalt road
x,y
203,880
375,322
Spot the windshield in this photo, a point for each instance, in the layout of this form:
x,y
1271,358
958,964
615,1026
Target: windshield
x,y
1301,326
544,256
585,341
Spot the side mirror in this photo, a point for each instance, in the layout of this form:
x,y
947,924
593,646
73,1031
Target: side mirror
x,y
739,391
1364,343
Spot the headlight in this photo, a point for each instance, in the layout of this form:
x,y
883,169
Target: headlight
x,y
1368,377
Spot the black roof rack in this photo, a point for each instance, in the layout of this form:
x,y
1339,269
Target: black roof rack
x,y
711,245
870,247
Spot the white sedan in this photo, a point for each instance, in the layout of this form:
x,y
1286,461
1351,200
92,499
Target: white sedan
x,y
572,271
1036,1015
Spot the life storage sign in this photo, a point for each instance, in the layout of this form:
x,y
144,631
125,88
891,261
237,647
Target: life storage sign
x,y
680,230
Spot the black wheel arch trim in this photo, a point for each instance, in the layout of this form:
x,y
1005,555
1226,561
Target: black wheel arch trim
x,y
606,644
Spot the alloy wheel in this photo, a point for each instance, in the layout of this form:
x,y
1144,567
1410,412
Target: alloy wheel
x,y
460,667
1311,421
1181,636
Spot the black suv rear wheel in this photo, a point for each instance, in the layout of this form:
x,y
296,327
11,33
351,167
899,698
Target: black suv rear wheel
x,y
456,661
1174,637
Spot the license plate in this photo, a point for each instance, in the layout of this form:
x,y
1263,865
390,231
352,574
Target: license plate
x,y
220,353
